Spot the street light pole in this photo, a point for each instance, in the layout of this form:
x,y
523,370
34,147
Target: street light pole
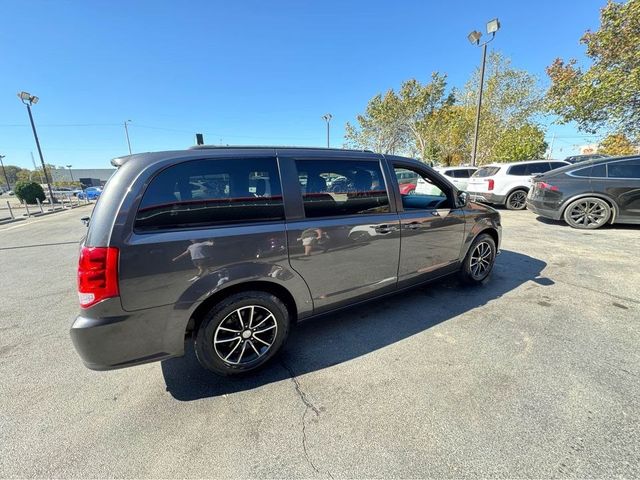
x,y
327,118
5,172
477,130
29,100
126,131
70,172
474,37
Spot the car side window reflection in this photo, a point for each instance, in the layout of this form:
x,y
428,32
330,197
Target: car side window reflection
x,y
425,196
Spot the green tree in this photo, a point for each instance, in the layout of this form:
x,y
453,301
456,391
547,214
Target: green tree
x,y
617,144
522,143
512,99
606,95
12,174
26,175
380,128
29,192
425,121
419,105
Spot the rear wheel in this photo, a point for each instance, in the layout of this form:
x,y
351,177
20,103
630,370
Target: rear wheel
x,y
587,213
242,333
479,261
517,200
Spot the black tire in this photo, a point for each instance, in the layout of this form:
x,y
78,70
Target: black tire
x,y
470,273
223,320
516,200
587,213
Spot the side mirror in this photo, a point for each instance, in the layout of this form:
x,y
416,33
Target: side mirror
x,y
462,199
85,220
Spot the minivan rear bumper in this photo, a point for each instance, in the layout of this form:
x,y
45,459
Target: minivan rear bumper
x,y
131,338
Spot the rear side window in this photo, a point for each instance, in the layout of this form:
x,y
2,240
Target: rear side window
x,y
625,169
333,188
486,172
597,171
203,193
555,165
518,170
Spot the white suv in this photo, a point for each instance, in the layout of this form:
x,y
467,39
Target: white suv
x,y
459,176
508,183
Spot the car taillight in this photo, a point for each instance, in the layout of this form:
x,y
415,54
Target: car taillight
x,y
490,184
546,186
97,275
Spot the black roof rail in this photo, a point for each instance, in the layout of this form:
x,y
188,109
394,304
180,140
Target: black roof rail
x,y
276,147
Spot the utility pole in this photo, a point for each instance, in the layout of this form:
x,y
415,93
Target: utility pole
x,y
5,172
553,138
126,131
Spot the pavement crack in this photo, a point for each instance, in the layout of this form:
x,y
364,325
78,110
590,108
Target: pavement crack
x,y
308,405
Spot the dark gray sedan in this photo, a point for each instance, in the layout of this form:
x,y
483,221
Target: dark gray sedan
x,y
590,194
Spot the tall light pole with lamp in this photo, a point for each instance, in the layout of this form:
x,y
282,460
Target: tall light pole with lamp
x,y
474,37
29,100
70,172
126,131
327,118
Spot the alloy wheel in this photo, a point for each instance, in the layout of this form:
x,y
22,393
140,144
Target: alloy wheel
x,y
517,200
481,259
588,213
245,335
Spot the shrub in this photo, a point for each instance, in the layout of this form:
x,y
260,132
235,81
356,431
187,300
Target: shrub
x,y
29,192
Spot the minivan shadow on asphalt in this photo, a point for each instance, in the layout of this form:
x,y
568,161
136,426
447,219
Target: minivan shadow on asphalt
x,y
338,338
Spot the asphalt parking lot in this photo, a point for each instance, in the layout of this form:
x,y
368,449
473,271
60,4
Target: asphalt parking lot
x,y
536,374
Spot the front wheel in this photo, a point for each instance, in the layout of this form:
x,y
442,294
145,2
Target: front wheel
x,y
587,213
479,261
242,333
517,200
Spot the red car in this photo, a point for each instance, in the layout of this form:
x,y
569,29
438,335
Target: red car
x,y
407,188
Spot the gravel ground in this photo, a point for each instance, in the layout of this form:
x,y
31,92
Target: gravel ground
x,y
536,374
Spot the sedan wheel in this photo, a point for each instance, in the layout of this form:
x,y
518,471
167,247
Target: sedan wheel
x,y
587,213
517,200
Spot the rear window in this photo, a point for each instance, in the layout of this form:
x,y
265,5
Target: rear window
x,y
204,193
486,172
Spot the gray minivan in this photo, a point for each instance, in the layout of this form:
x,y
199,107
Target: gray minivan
x,y
228,247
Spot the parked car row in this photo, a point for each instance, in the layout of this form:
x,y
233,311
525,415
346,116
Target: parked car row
x,y
507,184
586,194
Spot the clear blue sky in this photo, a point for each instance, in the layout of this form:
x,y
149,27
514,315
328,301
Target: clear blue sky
x,y
244,72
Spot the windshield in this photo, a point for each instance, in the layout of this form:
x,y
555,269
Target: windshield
x,y
486,172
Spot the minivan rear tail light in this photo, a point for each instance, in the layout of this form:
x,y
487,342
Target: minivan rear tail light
x,y
546,186
490,184
97,275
